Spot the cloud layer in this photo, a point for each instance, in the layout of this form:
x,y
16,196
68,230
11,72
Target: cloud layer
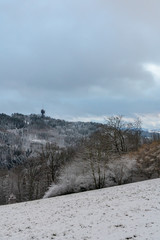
x,y
80,58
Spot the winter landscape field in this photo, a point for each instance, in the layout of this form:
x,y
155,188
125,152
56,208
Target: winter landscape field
x,y
130,211
79,120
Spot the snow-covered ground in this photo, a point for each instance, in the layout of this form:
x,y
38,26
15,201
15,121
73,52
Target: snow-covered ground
x,y
118,213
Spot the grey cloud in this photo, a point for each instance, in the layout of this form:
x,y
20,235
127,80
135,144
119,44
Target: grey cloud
x,y
57,52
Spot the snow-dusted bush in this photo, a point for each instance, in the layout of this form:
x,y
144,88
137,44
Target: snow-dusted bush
x,y
120,173
121,170
76,177
80,175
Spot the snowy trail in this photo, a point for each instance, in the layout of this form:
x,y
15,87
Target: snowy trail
x,y
119,213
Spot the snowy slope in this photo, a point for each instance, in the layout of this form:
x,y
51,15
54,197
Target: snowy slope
x,y
126,212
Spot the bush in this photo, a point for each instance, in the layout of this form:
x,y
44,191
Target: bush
x,y
76,177
73,178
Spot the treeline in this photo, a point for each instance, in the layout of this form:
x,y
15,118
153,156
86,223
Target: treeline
x,y
30,180
22,133
117,153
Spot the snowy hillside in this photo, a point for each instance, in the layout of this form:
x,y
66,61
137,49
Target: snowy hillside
x,y
21,134
125,212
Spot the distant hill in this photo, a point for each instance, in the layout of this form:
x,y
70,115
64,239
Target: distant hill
x,y
21,134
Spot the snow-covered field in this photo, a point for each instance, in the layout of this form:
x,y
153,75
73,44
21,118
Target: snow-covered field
x,y
118,213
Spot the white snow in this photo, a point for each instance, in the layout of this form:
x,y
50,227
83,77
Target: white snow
x,y
130,211
42,141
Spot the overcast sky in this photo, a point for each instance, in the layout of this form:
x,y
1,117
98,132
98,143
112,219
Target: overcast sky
x,y
81,60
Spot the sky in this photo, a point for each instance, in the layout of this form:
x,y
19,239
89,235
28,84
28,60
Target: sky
x,y
81,60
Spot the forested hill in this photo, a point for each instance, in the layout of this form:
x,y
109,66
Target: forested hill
x,y
36,151
22,134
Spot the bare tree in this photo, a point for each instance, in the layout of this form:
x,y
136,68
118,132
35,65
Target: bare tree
x,y
96,153
123,136
53,157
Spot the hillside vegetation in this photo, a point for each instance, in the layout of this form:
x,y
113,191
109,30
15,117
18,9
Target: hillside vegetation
x,y
44,157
